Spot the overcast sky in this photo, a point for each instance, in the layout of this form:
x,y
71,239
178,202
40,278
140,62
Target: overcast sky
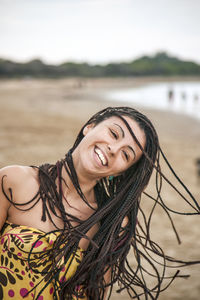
x,y
98,31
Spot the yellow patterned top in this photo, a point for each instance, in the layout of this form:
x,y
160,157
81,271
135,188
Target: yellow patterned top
x,y
22,279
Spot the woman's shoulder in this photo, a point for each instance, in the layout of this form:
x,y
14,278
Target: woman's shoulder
x,y
18,179
14,174
15,181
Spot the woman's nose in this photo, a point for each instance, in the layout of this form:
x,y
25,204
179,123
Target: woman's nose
x,y
111,149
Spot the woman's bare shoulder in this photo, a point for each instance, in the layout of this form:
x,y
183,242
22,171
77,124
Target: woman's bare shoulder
x,y
13,177
15,173
13,180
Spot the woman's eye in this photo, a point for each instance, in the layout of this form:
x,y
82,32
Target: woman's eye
x,y
125,155
114,134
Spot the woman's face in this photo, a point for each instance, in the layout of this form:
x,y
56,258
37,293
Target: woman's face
x,y
108,148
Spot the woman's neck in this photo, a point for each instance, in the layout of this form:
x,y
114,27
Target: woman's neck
x,y
86,185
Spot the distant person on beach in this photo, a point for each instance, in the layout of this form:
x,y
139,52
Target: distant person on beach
x,y
170,96
67,228
196,98
183,96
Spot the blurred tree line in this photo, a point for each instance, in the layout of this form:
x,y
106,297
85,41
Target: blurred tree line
x,y
159,64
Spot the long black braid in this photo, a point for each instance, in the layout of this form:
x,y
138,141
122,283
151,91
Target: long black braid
x,y
120,198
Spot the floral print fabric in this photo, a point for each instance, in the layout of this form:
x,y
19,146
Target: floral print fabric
x,y
20,278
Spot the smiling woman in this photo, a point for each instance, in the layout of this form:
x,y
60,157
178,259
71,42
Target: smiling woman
x,y
108,148
67,229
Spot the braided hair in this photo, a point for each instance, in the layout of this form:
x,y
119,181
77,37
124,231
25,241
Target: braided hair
x,y
116,198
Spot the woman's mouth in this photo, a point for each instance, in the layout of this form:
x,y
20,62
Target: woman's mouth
x,y
101,156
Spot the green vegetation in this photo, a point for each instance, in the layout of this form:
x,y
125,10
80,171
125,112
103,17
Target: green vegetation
x,y
159,64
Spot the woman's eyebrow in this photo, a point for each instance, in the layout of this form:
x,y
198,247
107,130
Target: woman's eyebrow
x,y
122,131
132,151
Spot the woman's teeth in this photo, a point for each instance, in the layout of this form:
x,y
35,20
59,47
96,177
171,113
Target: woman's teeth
x,y
101,156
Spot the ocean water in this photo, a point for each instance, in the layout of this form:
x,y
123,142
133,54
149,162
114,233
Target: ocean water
x,y
180,97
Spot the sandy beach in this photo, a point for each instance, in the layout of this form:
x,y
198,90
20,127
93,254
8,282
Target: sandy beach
x,y
40,120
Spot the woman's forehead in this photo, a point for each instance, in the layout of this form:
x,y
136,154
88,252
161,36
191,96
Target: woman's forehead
x,y
119,120
135,128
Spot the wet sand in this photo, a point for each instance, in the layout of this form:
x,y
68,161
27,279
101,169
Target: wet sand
x,y
39,122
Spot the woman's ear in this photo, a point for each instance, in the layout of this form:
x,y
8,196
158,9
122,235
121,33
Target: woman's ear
x,y
87,128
